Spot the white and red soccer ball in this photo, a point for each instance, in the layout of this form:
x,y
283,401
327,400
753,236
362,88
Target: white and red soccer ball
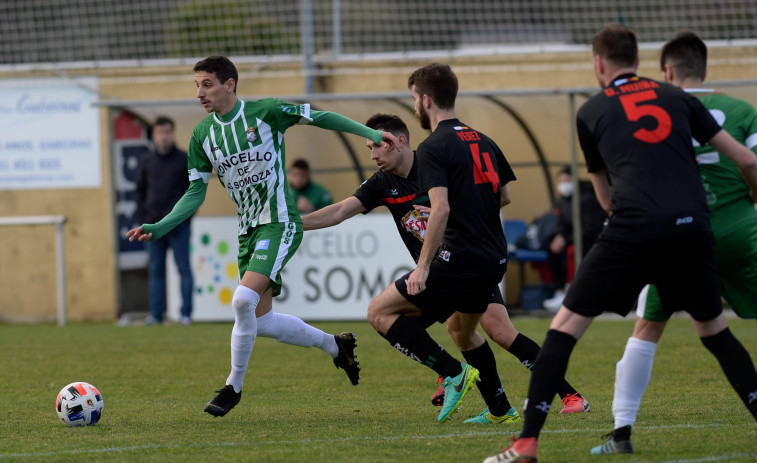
x,y
79,404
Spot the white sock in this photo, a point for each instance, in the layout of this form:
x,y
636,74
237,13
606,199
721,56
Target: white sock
x,y
632,374
243,334
291,330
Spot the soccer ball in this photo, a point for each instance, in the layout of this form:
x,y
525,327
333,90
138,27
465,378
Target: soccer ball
x,y
79,404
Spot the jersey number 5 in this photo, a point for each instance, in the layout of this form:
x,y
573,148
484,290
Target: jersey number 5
x,y
633,105
481,175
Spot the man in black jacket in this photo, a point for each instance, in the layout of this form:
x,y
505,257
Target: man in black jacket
x,y
161,180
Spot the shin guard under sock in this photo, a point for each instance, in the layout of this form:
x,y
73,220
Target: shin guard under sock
x,y
489,384
737,366
550,367
412,340
525,350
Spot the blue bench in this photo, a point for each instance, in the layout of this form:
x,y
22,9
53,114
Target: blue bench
x,y
530,296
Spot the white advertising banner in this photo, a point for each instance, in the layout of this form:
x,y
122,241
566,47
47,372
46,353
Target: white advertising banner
x,y
334,275
49,134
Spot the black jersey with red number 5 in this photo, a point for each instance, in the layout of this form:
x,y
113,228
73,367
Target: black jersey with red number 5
x,y
641,131
473,169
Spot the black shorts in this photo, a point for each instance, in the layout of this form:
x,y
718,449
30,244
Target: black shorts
x,y
682,266
449,292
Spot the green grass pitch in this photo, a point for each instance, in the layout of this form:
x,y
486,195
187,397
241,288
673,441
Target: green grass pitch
x,y
297,407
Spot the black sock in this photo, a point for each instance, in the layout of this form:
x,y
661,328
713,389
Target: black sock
x,y
412,340
482,358
549,367
737,366
525,350
622,433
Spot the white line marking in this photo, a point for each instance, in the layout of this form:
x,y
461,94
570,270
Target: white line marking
x,y
499,432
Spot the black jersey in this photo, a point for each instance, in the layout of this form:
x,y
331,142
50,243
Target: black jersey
x,y
399,195
640,130
472,168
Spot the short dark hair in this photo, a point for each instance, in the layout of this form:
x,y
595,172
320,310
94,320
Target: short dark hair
x,y
687,54
617,44
221,66
164,120
565,170
301,164
437,81
388,123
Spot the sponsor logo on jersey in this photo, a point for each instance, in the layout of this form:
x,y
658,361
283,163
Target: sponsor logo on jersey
x,y
262,244
293,109
460,127
394,192
239,160
252,134
684,220
411,223
261,256
444,255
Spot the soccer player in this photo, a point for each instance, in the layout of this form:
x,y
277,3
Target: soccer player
x,y
464,253
243,141
395,185
636,138
733,218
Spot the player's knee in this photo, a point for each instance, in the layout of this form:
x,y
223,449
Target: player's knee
x,y
244,301
373,314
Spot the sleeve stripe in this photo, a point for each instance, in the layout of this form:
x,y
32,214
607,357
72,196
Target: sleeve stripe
x,y
751,141
305,114
195,175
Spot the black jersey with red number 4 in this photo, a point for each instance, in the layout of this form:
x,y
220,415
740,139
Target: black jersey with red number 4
x,y
641,131
399,195
473,169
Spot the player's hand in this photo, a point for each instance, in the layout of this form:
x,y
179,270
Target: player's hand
x,y
390,142
138,234
423,212
416,282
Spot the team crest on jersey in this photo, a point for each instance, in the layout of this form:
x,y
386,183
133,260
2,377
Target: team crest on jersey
x,y
252,134
411,223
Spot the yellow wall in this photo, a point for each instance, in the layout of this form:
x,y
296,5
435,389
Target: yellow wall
x,y
27,271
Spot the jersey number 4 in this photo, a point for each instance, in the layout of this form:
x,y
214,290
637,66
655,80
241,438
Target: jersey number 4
x,y
483,171
635,105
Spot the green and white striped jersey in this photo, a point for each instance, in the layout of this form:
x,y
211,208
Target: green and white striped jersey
x,y
246,149
722,179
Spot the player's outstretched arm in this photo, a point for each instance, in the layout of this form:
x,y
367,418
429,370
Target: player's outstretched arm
x,y
335,121
742,156
333,214
183,210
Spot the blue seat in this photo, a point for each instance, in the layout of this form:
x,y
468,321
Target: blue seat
x,y
514,229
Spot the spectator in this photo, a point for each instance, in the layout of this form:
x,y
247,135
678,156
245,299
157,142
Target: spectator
x,y
161,181
592,220
308,195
